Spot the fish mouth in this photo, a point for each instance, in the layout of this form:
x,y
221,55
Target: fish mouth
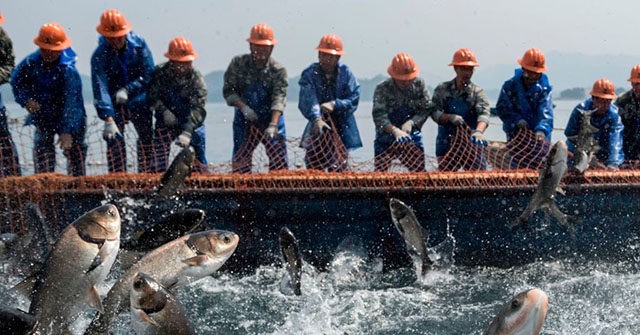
x,y
531,317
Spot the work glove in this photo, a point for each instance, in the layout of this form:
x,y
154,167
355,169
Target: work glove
x,y
400,135
122,96
65,141
477,137
612,167
328,106
522,124
319,127
183,140
272,131
540,136
110,131
456,119
248,113
407,127
169,118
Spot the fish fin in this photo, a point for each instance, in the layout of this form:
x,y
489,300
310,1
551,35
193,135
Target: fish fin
x,y
100,257
94,299
26,286
560,190
196,260
146,318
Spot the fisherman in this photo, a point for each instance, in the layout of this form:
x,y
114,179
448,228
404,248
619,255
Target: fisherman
x,y
47,84
629,110
256,85
9,163
606,119
461,101
329,95
525,101
178,94
401,105
121,67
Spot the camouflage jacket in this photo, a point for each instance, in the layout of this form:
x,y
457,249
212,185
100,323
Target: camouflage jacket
x,y
629,111
388,99
184,95
7,58
472,94
242,73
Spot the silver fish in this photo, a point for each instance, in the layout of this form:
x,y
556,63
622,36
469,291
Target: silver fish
x,y
80,259
524,314
155,310
179,262
175,175
585,145
548,185
415,236
291,256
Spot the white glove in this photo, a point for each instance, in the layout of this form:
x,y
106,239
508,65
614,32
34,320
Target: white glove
x,y
456,119
522,124
400,135
271,131
168,118
183,140
111,131
122,96
477,137
540,136
319,127
248,113
328,106
407,127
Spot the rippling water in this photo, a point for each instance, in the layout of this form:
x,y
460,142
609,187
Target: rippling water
x,y
356,297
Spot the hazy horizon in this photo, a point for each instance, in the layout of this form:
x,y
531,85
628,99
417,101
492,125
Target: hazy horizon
x,y
373,31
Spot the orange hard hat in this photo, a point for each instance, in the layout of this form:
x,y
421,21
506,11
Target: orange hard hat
x,y
403,67
603,88
464,57
533,60
330,44
262,34
635,74
113,24
1,18
181,50
52,37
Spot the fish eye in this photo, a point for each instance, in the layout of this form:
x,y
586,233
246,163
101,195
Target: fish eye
x,y
515,303
111,212
226,239
137,284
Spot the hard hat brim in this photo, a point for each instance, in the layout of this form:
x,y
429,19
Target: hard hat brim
x,y
185,58
118,33
331,51
61,46
468,63
533,68
403,76
262,42
603,96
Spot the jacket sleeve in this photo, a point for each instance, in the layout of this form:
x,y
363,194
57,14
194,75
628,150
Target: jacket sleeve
x,y
380,110
279,93
21,83
505,109
7,58
307,100
154,94
424,107
545,113
197,101
231,87
573,125
138,85
73,115
100,85
348,103
483,110
616,156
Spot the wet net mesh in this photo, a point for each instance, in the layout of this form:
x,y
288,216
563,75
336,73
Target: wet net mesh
x,y
322,163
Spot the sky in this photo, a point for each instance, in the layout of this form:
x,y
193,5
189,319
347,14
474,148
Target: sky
x,y
373,31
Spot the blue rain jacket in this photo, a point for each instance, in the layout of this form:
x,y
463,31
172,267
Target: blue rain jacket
x,y
113,69
314,91
532,105
56,87
609,136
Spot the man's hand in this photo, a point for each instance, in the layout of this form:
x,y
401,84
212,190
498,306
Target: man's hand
x,y
32,106
183,140
477,137
407,127
328,106
272,131
456,120
400,135
111,131
122,96
169,118
522,124
319,127
65,141
540,136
